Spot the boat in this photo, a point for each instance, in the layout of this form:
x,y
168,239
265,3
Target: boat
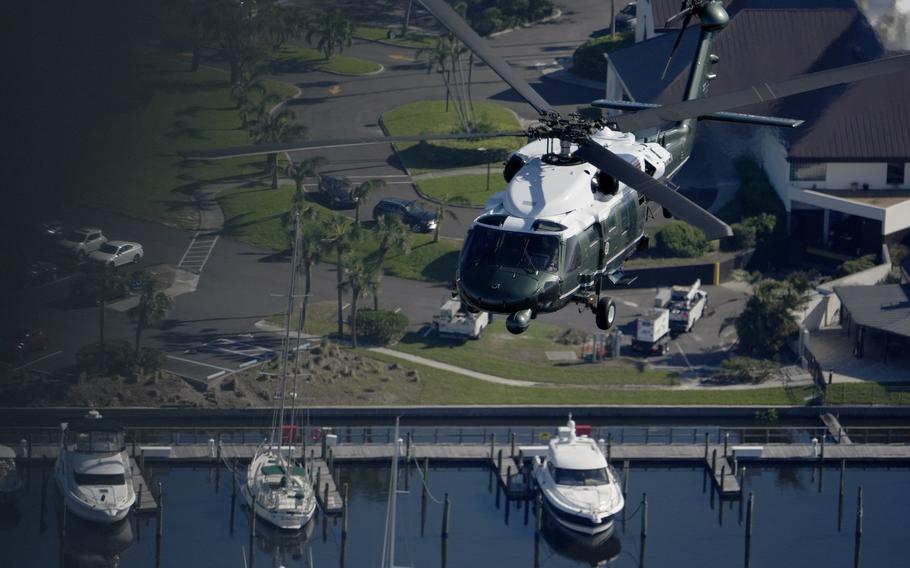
x,y
93,470
10,482
579,488
277,486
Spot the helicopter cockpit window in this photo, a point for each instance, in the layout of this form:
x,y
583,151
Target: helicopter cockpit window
x,y
544,225
493,220
510,249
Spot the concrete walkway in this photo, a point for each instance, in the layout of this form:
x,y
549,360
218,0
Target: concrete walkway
x,y
453,369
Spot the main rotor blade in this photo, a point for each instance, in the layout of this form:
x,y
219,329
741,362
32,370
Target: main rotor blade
x,y
761,93
450,19
261,149
651,188
679,37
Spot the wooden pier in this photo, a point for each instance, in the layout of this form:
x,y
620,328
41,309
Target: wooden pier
x,y
835,430
145,499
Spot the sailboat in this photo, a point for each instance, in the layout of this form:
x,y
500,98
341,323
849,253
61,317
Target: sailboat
x,y
278,487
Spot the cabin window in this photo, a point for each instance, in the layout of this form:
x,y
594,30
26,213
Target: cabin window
x,y
493,220
99,478
895,175
808,171
649,168
573,254
596,476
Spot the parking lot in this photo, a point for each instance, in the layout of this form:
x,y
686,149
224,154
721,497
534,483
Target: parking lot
x,y
226,355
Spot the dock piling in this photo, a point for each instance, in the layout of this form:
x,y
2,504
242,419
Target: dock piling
x,y
625,478
713,460
492,444
644,515
726,442
749,516
512,447
859,512
344,512
538,509
706,445
446,510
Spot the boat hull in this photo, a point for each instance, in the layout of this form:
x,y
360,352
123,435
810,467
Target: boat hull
x,y
281,519
580,524
87,511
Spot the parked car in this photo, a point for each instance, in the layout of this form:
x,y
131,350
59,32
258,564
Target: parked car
x,y
83,241
336,192
117,253
627,18
411,212
19,345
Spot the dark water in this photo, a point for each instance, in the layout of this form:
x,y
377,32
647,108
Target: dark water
x,y
795,524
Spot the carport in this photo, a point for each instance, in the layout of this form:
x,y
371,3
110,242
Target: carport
x,y
880,312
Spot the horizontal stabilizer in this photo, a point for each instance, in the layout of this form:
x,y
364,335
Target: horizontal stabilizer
x,y
717,116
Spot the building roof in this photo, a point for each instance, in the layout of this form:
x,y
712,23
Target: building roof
x,y
768,40
885,307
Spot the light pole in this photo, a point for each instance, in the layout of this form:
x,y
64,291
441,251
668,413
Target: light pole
x,y
483,152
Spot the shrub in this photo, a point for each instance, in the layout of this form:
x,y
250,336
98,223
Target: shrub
x,y
856,265
751,231
678,239
381,326
149,359
745,370
588,60
117,357
86,289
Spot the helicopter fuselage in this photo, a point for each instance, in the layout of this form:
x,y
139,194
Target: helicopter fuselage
x,y
558,229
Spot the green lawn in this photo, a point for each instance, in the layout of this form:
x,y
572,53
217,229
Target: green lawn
x,y
443,387
868,393
254,215
321,318
411,39
130,163
472,187
523,357
425,117
298,58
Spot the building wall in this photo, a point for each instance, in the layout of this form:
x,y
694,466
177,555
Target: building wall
x,y
843,175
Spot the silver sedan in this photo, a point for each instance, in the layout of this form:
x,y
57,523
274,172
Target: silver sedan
x,y
117,253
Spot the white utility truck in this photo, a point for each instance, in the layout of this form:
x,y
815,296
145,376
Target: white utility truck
x,y
455,320
652,332
687,305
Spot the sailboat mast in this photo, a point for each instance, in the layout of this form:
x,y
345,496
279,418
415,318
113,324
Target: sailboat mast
x,y
285,347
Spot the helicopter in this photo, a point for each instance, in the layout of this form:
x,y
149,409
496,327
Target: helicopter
x,y
578,193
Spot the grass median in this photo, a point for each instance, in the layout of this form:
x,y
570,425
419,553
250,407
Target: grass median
x,y
412,40
130,164
295,58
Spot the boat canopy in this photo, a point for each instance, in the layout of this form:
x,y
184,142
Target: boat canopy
x,y
7,453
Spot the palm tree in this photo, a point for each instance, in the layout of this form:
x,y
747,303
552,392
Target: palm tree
x,y
444,209
334,31
392,233
250,82
360,276
273,129
310,250
152,308
338,238
437,59
299,172
362,191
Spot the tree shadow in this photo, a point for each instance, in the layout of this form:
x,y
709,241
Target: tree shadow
x,y
441,269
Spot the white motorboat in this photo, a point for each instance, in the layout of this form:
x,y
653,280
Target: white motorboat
x,y
277,487
10,482
579,488
93,469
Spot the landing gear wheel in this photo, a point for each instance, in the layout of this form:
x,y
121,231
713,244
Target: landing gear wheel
x,y
605,313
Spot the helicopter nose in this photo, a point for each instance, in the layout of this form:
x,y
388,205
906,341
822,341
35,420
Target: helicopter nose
x,y
500,291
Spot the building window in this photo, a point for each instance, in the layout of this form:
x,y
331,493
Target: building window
x,y
808,171
895,173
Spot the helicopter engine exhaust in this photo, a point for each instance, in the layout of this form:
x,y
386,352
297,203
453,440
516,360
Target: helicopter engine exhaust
x,y
518,322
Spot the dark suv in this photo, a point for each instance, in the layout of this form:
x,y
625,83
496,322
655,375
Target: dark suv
x,y
336,192
419,219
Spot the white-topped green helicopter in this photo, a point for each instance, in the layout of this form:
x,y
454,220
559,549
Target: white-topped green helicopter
x,y
578,192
